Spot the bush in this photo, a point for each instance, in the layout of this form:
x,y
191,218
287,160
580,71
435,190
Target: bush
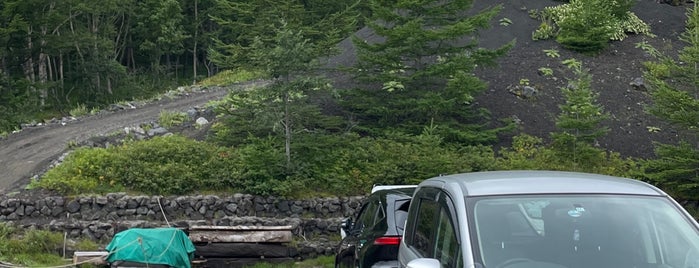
x,y
85,170
228,77
163,165
31,247
356,163
588,25
169,119
79,110
529,152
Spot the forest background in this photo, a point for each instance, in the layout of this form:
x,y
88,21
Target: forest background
x,y
408,115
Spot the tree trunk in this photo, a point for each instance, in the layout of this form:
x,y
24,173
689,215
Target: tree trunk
x,y
287,130
194,50
43,68
29,64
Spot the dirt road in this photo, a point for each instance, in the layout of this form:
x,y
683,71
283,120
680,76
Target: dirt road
x,y
26,153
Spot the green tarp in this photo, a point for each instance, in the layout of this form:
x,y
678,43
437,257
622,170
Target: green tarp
x,y
166,246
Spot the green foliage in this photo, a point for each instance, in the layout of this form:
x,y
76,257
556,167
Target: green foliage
x,y
170,119
228,77
162,165
16,105
530,152
83,171
505,22
545,31
659,70
79,110
355,163
85,244
30,247
579,123
675,170
545,71
323,24
674,93
588,25
418,90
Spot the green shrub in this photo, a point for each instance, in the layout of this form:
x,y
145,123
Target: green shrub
x,y
659,70
356,163
79,110
545,31
588,25
84,170
85,244
172,165
529,152
169,119
30,247
228,77
162,165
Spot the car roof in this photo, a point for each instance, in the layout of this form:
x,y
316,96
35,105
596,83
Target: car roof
x,y
388,187
400,191
540,182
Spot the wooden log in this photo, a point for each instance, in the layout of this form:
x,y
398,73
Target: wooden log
x,y
243,250
93,257
240,234
241,228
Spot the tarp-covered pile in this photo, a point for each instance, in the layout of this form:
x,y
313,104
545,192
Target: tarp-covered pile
x,y
165,246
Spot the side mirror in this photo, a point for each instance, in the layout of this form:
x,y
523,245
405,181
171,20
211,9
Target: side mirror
x,y
345,226
424,263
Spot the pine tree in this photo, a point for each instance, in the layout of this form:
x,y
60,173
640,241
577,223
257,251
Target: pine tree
x,y
425,65
579,123
676,99
286,48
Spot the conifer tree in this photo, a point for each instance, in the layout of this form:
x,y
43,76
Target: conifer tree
x,y
676,99
579,123
425,66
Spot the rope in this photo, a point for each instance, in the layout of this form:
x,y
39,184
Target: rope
x,y
163,212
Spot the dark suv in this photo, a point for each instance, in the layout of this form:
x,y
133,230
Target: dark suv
x,y
372,239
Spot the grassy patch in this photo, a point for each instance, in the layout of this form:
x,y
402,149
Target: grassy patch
x,y
169,119
319,262
228,77
79,110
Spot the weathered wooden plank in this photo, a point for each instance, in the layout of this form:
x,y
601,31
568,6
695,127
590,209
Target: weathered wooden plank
x,y
93,257
242,228
243,250
219,236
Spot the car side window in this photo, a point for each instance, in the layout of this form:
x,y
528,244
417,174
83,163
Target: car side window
x,y
446,244
367,216
433,233
424,228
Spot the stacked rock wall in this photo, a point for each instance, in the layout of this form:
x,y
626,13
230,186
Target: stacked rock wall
x,y
100,217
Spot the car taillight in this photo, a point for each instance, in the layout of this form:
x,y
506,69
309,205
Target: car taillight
x,y
387,241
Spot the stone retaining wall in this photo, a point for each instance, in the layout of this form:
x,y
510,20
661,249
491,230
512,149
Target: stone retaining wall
x,y
313,221
121,207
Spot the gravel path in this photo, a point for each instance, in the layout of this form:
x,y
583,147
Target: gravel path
x,y
30,151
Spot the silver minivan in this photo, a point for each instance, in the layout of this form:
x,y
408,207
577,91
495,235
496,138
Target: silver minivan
x,y
546,219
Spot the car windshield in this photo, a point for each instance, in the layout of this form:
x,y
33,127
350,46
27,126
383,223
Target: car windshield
x,y
582,231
